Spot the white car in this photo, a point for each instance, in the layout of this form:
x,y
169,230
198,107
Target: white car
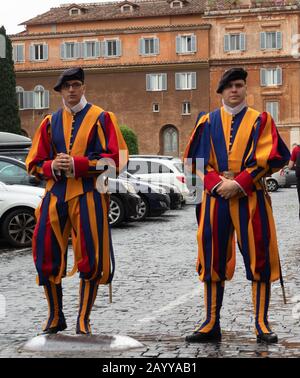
x,y
158,169
17,206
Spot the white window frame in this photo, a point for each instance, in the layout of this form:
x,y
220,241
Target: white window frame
x,y
78,11
20,97
185,81
41,97
105,45
182,44
176,1
266,40
270,77
97,49
126,8
155,107
16,53
234,42
156,82
76,50
41,54
270,104
142,46
186,108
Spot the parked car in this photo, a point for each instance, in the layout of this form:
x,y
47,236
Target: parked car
x,y
13,171
154,200
122,206
14,145
17,206
159,169
124,202
284,178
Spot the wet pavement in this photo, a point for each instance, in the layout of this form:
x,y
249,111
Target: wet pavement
x,y
157,298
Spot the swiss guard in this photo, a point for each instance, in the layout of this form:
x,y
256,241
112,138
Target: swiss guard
x,y
240,146
70,149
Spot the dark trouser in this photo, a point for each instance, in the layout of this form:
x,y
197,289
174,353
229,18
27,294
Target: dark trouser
x,y
298,190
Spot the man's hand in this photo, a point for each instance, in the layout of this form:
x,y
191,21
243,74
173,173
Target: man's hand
x,y
62,162
228,188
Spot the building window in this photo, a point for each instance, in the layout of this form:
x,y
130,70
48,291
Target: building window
x,y
91,49
186,44
270,76
70,50
74,12
273,108
41,98
186,108
170,141
20,97
235,42
270,40
126,8
185,80
155,108
149,46
156,82
112,48
18,53
176,4
38,52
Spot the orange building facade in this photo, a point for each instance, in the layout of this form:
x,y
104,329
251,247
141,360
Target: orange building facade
x,y
156,63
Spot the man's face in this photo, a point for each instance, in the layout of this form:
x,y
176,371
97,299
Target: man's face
x,y
234,93
72,91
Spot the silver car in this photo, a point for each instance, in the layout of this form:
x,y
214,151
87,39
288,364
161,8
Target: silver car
x,y
284,178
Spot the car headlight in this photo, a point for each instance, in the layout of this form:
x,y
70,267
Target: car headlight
x,y
129,187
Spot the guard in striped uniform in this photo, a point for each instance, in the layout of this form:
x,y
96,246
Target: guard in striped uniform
x,y
70,149
239,146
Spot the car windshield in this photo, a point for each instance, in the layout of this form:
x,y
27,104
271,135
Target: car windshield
x,y
179,166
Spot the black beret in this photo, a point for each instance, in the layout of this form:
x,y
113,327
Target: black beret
x,y
230,75
75,73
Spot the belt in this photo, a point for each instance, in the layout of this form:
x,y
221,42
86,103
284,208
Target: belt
x,y
229,174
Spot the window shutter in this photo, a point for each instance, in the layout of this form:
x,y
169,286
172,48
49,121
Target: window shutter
x,y
20,52
226,43
28,99
32,55
279,76
148,82
263,40
14,53
243,41
46,100
164,81
177,81
119,47
142,46
263,79
63,51
45,52
178,45
105,48
77,50
84,50
98,49
278,40
156,46
194,43
194,80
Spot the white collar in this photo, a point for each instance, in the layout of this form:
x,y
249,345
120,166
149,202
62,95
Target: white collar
x,y
236,109
76,108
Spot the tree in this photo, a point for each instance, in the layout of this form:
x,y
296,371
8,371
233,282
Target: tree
x,y
9,115
130,139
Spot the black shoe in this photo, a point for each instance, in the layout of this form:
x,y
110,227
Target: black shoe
x,y
268,338
52,330
202,337
79,332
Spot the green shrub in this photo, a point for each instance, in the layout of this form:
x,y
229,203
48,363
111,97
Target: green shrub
x,y
130,139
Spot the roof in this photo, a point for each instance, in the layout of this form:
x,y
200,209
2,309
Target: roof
x,y
108,11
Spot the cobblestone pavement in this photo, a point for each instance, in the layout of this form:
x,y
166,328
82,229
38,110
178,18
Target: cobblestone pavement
x,y
157,298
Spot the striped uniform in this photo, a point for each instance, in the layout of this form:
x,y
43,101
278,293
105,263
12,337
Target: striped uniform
x,y
248,145
72,205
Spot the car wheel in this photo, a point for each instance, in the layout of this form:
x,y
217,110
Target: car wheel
x,y
116,211
18,227
272,185
143,210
